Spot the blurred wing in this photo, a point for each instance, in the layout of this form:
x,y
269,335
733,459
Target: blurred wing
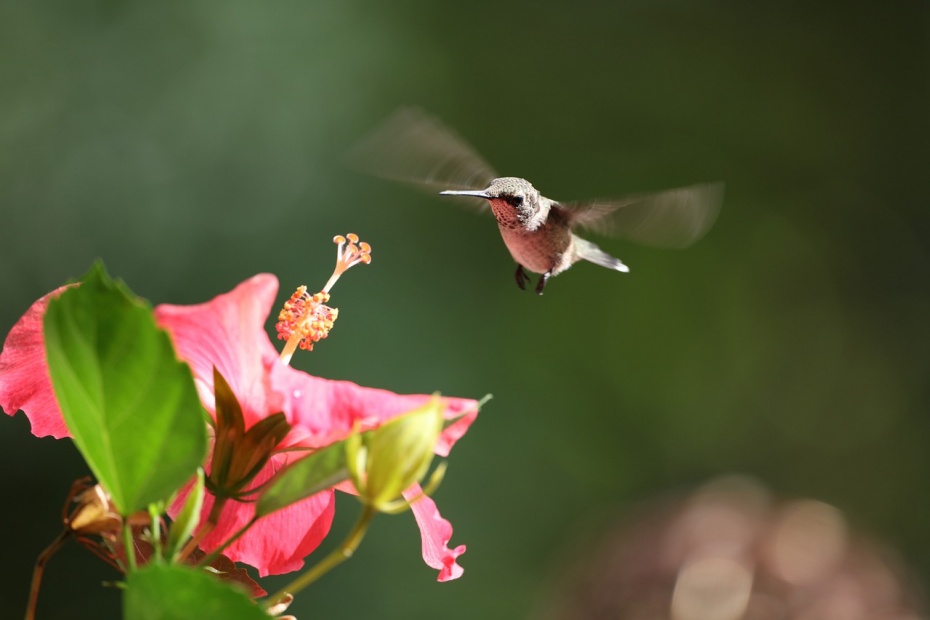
x,y
414,148
675,218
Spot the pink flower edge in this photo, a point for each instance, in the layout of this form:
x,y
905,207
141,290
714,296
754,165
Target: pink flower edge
x,y
435,533
25,382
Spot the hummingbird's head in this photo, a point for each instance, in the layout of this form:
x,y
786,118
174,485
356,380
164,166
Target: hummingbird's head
x,y
514,201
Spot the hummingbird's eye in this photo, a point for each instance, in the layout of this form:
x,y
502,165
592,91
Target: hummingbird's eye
x,y
516,201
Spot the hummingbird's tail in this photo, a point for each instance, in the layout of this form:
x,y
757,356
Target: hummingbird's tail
x,y
586,250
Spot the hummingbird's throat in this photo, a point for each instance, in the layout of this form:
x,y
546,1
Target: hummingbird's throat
x,y
506,214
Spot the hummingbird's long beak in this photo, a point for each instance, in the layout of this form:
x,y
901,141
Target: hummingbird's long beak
x,y
466,192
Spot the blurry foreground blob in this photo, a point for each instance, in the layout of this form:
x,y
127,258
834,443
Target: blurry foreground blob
x,y
411,146
729,552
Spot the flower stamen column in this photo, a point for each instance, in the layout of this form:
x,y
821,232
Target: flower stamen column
x,y
306,319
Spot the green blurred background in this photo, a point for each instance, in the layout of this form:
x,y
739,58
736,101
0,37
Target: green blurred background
x,y
192,145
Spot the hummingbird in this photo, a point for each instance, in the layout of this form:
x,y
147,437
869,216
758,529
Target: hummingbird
x,y
538,231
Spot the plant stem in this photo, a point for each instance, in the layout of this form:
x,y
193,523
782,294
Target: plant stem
x,y
39,570
337,556
156,532
129,547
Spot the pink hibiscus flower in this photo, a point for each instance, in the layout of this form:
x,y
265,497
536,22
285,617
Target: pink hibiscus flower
x,y
228,333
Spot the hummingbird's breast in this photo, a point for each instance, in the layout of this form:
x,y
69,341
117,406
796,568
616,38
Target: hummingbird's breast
x,y
548,248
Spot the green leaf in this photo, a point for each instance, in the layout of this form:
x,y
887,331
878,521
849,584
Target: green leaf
x,y
301,479
187,519
173,592
130,405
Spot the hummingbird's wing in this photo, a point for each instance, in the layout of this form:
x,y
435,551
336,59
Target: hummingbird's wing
x,y
415,148
675,218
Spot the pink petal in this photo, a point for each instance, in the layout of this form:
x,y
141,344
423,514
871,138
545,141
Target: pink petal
x,y
25,383
435,533
468,408
277,543
227,332
325,410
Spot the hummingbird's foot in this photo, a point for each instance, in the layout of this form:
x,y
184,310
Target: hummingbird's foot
x,y
521,277
542,282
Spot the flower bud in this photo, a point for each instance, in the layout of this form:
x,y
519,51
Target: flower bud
x,y
395,456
